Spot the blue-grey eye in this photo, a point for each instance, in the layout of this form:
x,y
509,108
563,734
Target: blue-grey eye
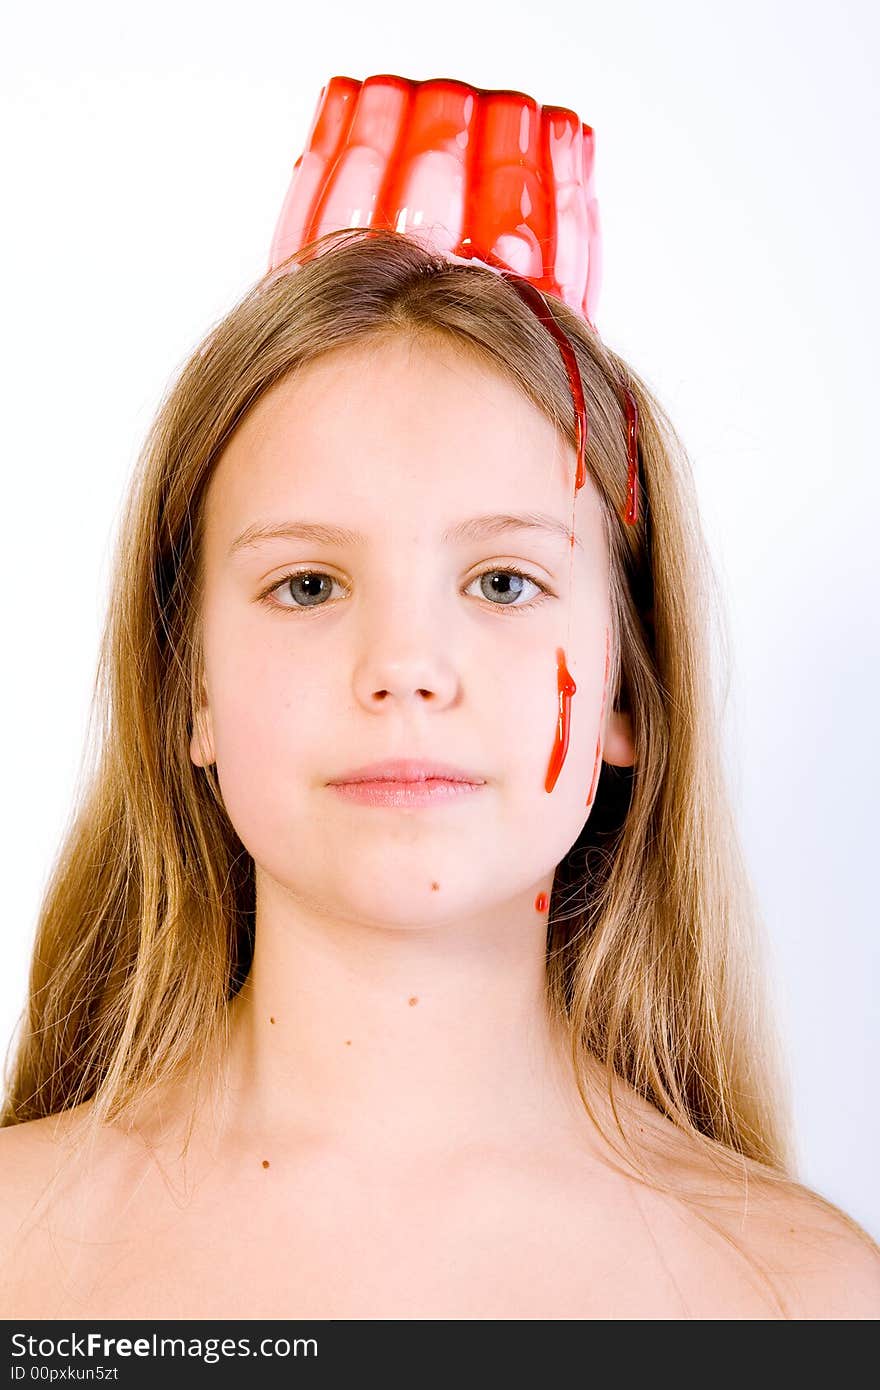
x,y
309,588
506,585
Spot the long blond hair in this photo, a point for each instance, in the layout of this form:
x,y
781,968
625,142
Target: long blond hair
x,y
655,960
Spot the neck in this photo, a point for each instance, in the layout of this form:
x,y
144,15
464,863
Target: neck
x,y
406,1039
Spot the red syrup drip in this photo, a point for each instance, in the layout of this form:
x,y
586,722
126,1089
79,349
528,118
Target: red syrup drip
x,y
541,902
531,296
566,688
565,682
536,302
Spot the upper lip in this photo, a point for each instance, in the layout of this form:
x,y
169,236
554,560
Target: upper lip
x,y
406,770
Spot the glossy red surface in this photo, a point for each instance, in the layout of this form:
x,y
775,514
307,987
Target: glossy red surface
x,y
565,688
470,171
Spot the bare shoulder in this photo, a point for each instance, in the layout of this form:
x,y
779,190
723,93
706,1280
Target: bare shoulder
x,y
831,1265
32,1158
816,1258
35,1177
28,1154
810,1257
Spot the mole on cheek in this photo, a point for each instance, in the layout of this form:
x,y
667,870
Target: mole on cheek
x,y
414,1000
348,1042
271,1020
435,887
265,1163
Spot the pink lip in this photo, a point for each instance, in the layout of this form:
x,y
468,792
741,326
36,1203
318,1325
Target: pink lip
x,y
407,770
407,782
430,792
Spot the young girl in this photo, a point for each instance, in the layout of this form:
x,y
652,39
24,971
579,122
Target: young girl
x,y
401,961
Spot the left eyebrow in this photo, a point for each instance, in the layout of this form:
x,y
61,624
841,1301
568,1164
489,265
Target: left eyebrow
x,y
495,524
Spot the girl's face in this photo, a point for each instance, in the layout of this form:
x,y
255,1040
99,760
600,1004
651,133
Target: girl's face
x,y
402,642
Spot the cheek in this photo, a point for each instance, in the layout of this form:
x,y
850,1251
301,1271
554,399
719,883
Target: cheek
x,y
265,715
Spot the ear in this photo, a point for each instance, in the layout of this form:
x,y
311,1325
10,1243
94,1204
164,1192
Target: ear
x,y
201,746
619,747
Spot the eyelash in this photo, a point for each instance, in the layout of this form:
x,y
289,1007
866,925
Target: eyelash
x,y
266,595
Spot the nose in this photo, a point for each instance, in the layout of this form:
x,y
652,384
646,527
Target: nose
x,y
386,678
406,639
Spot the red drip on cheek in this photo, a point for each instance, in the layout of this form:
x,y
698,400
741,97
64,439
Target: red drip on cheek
x,y
541,902
565,683
536,302
566,688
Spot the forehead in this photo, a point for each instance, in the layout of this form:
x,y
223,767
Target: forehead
x,y
410,429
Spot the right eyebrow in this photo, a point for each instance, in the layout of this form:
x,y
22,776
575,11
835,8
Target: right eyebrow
x,y
474,528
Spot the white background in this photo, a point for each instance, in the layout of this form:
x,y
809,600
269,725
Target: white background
x,y
146,156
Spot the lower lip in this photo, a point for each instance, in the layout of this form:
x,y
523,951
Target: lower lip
x,y
432,792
